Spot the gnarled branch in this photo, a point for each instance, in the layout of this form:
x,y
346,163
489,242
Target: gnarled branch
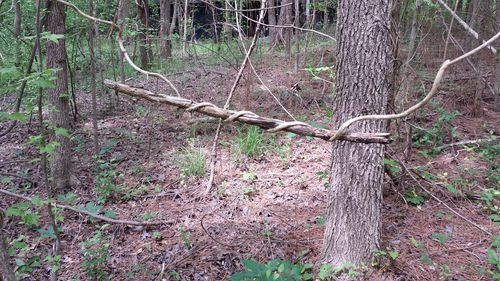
x,y
252,119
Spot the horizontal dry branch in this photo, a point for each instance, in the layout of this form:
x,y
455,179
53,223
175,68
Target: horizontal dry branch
x,y
247,117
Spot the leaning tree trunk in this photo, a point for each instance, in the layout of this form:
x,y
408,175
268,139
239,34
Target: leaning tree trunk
x,y
58,95
165,50
364,70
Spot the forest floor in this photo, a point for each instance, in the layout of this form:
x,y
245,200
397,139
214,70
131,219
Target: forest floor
x,y
270,205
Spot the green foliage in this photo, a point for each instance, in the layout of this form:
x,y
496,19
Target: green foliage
x,y
96,256
106,187
414,197
24,211
436,134
274,270
185,237
440,237
494,257
490,197
250,141
192,162
328,272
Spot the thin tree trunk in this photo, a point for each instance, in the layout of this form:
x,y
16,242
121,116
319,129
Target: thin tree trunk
x,y
364,70
165,49
184,33
143,41
17,30
174,18
123,10
228,30
60,166
271,18
413,33
7,273
497,66
297,37
93,84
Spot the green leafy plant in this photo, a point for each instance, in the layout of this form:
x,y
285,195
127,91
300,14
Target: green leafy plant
x,y
24,211
185,237
440,237
95,255
274,270
106,187
494,257
250,141
436,134
415,197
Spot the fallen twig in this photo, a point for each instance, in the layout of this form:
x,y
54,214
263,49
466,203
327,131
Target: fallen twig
x,y
87,213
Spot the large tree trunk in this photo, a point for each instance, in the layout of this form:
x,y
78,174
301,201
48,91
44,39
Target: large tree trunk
x,y
364,70
143,40
165,50
228,30
58,96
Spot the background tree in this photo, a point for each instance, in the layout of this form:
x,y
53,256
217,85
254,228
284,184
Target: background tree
x,y
165,49
364,71
59,114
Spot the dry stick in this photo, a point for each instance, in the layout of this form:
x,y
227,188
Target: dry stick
x,y
439,200
465,25
437,80
247,118
449,32
99,217
213,158
278,26
120,44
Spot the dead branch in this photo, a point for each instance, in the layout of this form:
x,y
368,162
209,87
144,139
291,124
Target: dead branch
x,y
246,117
87,213
437,80
466,142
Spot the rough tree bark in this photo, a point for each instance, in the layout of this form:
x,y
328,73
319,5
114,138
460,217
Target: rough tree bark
x,y
58,96
364,70
165,50
143,41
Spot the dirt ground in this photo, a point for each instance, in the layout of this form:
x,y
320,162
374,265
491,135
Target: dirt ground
x,y
263,207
